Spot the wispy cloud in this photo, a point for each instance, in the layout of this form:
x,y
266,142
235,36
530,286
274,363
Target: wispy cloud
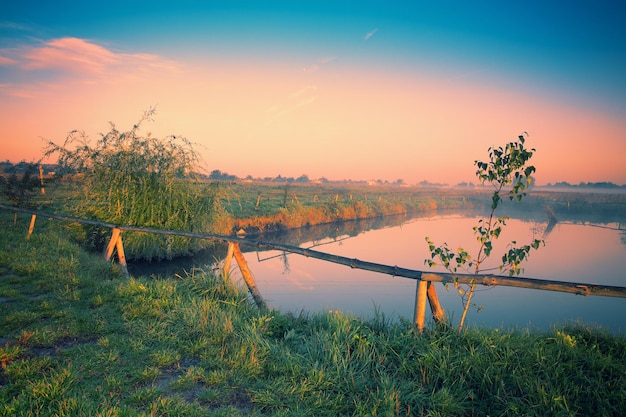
x,y
77,55
319,63
370,34
299,98
70,54
7,62
6,25
78,60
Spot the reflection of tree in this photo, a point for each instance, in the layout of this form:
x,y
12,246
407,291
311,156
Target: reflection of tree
x,y
552,221
286,268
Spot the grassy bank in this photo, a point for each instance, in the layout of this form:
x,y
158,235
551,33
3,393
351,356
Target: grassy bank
x,y
79,338
272,207
260,207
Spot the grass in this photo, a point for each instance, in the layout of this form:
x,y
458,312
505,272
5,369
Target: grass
x,y
258,207
268,207
78,338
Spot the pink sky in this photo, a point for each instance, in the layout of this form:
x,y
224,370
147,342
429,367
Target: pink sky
x,y
327,118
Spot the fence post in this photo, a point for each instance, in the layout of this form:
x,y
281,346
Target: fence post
x,y
420,304
31,227
121,257
111,246
43,190
248,278
438,313
116,243
229,257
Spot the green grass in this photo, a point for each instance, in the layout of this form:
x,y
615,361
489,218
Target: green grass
x,y
78,338
246,200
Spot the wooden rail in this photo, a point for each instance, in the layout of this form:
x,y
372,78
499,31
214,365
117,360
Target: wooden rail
x,y
424,290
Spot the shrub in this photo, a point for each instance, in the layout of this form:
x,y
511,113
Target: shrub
x,y
130,179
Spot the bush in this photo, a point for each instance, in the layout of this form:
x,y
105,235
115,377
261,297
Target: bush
x,y
130,179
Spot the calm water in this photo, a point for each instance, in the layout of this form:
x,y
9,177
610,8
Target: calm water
x,y
573,252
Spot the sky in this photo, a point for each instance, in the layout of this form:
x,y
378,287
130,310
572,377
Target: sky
x,y
381,90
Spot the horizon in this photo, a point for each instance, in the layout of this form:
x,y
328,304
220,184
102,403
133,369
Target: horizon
x,y
399,182
361,91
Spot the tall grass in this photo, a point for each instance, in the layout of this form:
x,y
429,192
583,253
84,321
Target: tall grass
x,y
263,207
130,179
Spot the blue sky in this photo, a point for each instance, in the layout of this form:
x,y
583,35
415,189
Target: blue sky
x,y
565,56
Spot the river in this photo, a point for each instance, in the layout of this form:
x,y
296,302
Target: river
x,y
576,251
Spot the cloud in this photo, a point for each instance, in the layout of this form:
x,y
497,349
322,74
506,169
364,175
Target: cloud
x,y
42,66
6,61
370,34
78,56
319,63
299,98
71,55
5,25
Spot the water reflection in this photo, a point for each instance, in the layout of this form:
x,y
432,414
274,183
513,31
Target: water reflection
x,y
573,252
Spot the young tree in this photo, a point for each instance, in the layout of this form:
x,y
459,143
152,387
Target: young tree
x,y
130,179
508,173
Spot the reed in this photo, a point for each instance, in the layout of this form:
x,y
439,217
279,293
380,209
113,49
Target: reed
x,y
129,179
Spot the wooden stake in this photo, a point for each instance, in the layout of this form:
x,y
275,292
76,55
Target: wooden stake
x,y
121,257
32,225
438,314
420,304
229,257
43,191
248,278
116,243
111,246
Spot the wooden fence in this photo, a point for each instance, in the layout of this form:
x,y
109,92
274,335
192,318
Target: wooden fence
x,y
425,290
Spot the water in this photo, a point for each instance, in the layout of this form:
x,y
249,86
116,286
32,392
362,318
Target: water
x,y
573,252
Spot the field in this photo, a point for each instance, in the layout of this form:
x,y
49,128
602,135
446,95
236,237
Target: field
x,y
79,338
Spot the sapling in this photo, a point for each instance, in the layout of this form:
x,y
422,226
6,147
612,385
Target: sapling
x,y
509,175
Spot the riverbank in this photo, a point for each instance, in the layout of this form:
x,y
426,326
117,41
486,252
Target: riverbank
x,y
79,338
260,208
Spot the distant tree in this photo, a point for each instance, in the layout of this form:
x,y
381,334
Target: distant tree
x,y
19,190
7,167
221,176
302,179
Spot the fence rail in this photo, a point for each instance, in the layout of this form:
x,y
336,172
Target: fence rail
x,y
424,289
